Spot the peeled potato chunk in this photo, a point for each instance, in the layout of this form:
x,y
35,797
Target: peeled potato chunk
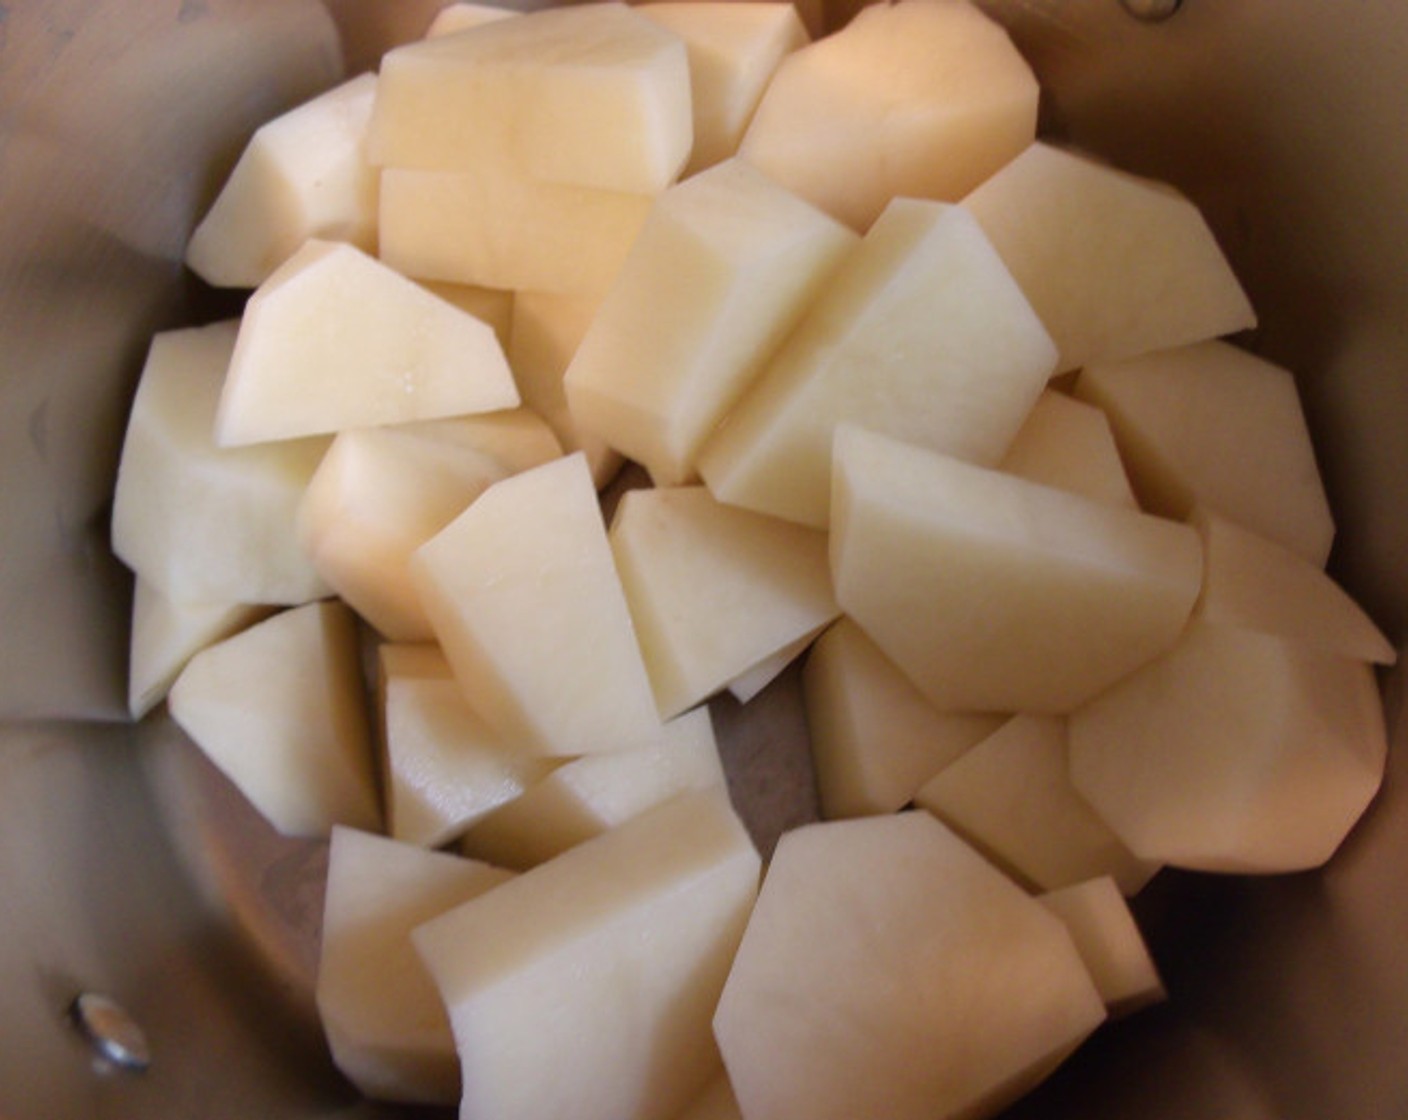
x,y
1068,444
382,1015
1211,425
919,99
279,709
993,593
334,339
890,971
585,987
717,1102
1109,943
462,16
536,627
921,333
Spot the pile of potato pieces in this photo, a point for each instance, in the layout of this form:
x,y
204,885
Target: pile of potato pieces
x,y
936,401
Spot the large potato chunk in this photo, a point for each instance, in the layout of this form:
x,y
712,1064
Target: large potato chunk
x,y
921,333
523,593
889,971
584,988
1109,942
996,594
1115,265
725,265
924,99
199,522
1068,444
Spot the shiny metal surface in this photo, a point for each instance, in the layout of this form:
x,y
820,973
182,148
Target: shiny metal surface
x,y
128,867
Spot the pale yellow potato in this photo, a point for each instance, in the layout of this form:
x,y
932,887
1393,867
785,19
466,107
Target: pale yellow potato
x,y
716,1102
875,739
734,50
890,971
536,627
915,99
1010,796
1068,444
585,986
713,590
490,305
1109,942
752,681
453,18
200,522
992,593
380,1011
1211,425
725,265
279,709
1114,264
334,339
304,174
516,438
921,333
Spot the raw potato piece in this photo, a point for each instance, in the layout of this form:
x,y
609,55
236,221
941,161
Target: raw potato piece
x,y
714,590
734,50
584,987
384,1021
1109,942
1068,444
717,1102
747,685
198,522
304,174
918,99
588,796
724,267
1211,425
334,339
1235,751
536,626
453,18
279,709
993,593
921,334
167,633
874,738
595,96
1115,265
490,305
1011,797
889,971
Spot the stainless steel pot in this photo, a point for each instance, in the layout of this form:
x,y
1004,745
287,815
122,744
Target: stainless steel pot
x,y
128,868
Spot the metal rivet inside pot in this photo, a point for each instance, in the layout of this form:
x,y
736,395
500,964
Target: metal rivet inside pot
x,y
112,1032
1151,11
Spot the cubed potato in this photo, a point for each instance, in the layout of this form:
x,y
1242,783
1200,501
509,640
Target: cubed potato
x,y
921,333
714,590
463,16
334,340
537,628
279,709
382,1015
199,522
489,305
304,174
1068,444
724,267
1114,264
890,971
917,99
992,593
1109,942
875,739
585,987
748,684
1214,426
1011,797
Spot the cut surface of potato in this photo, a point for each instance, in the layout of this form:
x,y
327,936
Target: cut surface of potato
x,y
992,593
921,333
585,987
1068,444
917,99
490,305
889,970
717,1102
199,522
384,1021
304,174
334,339
1115,265
453,18
1011,797
279,709
1235,751
1109,942
1211,425
748,684
875,739
725,265
537,627
714,590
